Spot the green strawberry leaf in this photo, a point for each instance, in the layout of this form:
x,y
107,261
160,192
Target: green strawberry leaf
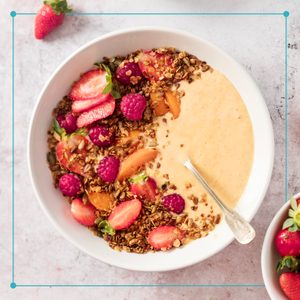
x,y
293,228
110,87
81,131
291,213
105,227
59,130
289,262
294,203
140,178
287,223
58,6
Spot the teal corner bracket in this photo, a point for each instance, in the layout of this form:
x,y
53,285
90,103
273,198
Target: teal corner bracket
x,y
13,14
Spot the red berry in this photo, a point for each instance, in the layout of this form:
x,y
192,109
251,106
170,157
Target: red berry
x,y
70,185
290,285
163,237
89,86
288,243
85,105
143,186
154,65
50,16
129,73
68,122
125,214
174,202
85,214
109,168
65,151
133,106
101,136
99,112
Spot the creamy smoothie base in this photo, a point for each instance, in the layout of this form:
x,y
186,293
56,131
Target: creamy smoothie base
x,y
147,200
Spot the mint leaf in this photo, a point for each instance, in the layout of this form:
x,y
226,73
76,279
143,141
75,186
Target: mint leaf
x,y
81,131
108,88
59,130
116,94
105,227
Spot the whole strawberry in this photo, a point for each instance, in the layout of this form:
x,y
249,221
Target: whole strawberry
x,y
50,16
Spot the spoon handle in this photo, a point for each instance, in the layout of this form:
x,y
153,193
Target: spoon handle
x,y
243,232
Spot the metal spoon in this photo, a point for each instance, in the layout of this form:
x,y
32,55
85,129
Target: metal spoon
x,y
243,232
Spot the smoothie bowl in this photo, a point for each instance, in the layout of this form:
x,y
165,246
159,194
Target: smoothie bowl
x,y
117,120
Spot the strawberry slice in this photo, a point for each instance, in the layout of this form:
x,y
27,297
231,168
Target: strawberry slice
x,y
97,113
143,186
163,237
89,86
85,214
153,65
65,154
125,214
85,105
290,285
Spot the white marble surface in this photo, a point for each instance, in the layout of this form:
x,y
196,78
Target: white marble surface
x,y
41,254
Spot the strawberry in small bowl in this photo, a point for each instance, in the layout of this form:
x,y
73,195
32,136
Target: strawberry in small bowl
x,y
280,259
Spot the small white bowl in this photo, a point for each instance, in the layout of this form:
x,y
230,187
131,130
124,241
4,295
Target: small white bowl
x,y
123,42
269,255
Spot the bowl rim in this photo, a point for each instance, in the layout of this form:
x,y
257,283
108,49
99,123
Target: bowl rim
x,y
165,30
268,240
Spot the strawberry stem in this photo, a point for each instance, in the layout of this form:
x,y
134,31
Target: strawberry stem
x,y
58,6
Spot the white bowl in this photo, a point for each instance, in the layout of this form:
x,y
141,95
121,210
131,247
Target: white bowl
x,y
123,42
269,255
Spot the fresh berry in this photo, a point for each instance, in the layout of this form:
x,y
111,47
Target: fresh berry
x,y
288,242
129,73
101,135
125,214
65,150
89,86
290,285
133,106
174,202
97,113
68,122
85,105
154,65
109,168
163,237
50,16
143,186
85,214
70,185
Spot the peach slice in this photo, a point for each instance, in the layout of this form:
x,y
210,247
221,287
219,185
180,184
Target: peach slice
x,y
134,161
101,200
158,104
174,103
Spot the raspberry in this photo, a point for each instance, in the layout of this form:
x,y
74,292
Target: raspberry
x,y
133,106
174,202
109,168
69,184
68,122
129,73
101,136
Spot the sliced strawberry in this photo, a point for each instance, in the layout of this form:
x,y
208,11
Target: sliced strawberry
x,y
85,214
85,105
97,113
89,86
125,214
65,151
144,186
163,237
290,285
154,65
